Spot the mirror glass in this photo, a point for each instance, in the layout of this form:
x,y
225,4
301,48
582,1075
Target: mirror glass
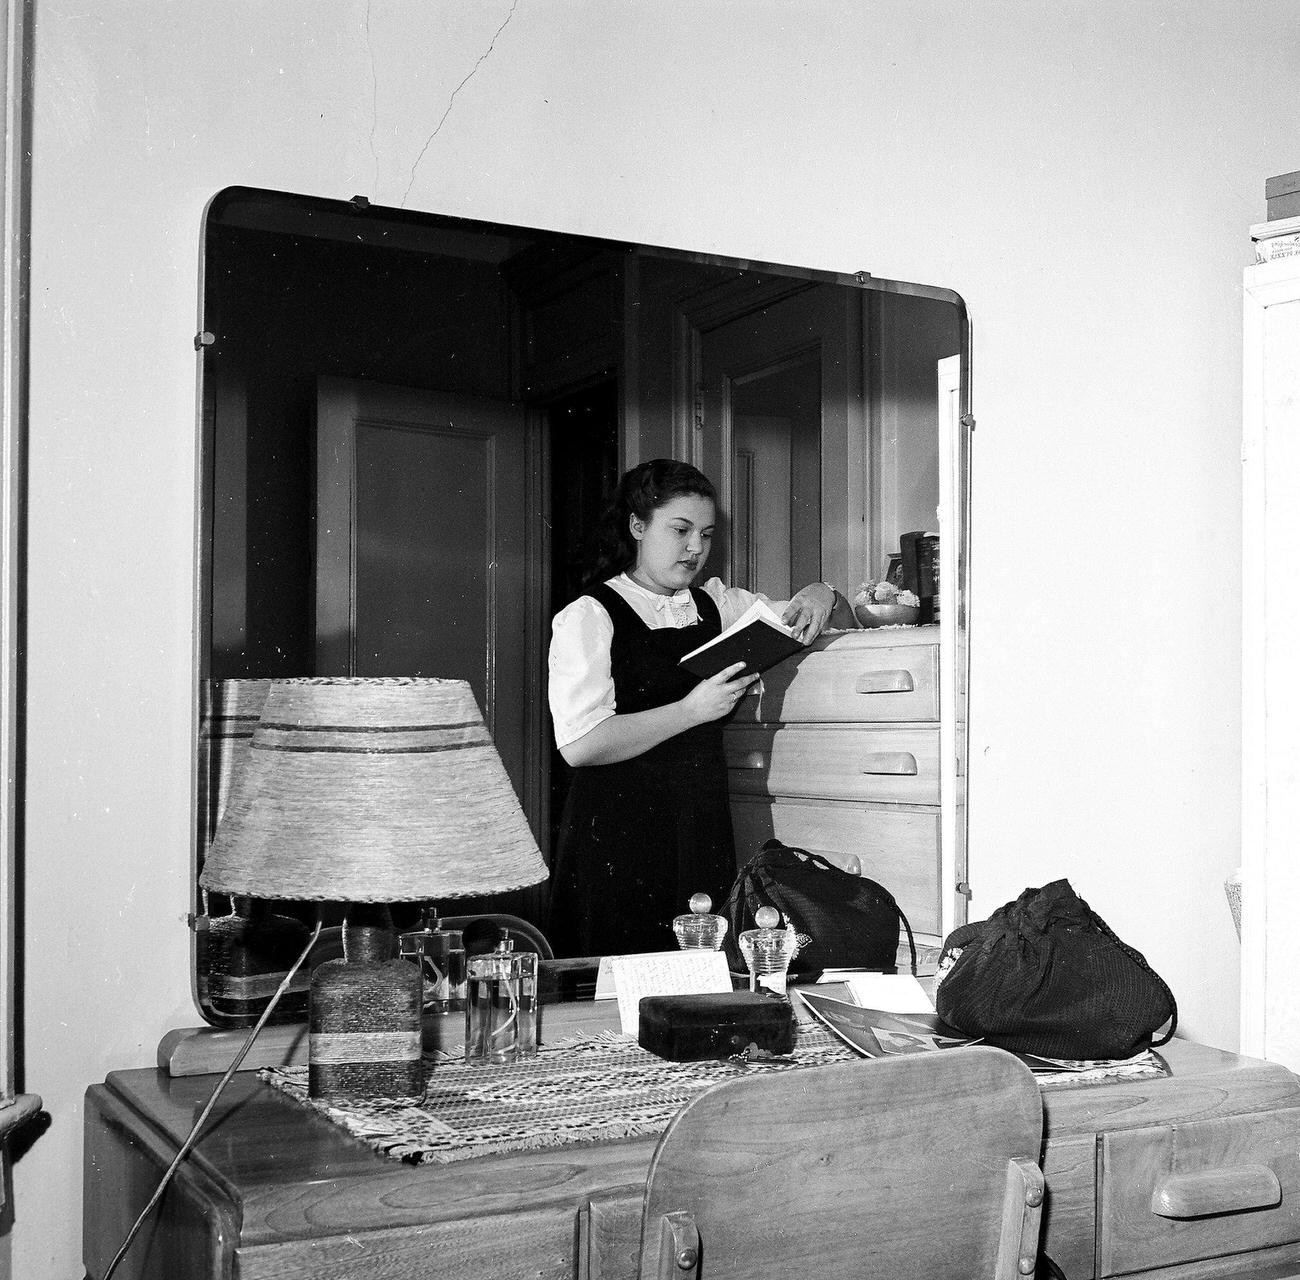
x,y
410,422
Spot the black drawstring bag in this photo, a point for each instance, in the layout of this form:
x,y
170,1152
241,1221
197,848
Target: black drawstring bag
x,y
1045,975
849,922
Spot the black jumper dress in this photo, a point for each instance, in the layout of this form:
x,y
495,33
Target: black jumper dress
x,y
641,836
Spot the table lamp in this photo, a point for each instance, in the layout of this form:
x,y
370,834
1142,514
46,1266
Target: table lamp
x,y
368,792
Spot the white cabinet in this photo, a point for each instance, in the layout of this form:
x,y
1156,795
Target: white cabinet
x,y
1271,663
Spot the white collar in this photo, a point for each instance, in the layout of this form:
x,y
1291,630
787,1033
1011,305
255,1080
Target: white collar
x,y
657,600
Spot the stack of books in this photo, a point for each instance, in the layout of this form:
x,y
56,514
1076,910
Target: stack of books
x,y
1279,237
1282,196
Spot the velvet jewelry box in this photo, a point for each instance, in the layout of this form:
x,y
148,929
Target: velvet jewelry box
x,y
717,1025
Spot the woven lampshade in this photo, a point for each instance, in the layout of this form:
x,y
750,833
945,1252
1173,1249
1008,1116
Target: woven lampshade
x,y
372,790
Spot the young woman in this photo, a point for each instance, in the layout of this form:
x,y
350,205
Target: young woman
x,y
647,822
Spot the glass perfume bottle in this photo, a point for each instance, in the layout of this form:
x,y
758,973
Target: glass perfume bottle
x,y
699,929
439,954
526,975
768,951
492,1006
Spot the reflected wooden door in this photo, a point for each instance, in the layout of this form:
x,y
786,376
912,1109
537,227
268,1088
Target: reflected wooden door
x,y
781,432
422,547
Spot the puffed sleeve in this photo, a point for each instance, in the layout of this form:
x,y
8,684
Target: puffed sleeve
x,y
580,687
733,601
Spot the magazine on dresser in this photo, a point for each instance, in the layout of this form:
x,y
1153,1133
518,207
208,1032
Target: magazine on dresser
x,y
879,1033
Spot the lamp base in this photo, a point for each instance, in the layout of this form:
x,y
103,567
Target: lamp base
x,y
241,959
365,1022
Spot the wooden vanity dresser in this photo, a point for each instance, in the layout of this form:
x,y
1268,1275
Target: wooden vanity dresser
x,y
1194,1176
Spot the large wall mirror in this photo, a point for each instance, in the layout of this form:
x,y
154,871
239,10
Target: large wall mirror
x,y
409,422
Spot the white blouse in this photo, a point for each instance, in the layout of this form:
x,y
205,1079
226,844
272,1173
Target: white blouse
x,y
581,684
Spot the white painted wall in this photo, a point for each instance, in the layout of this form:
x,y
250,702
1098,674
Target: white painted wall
x,y
1082,171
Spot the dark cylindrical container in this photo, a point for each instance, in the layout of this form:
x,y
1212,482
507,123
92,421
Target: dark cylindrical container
x,y
365,1019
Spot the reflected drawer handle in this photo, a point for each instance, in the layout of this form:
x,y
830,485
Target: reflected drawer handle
x,y
1199,1195
885,682
896,763
750,760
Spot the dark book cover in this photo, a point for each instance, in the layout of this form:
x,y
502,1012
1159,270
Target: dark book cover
x,y
758,639
920,552
1285,206
1282,184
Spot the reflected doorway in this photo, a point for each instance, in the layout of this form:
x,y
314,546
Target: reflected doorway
x,y
783,434
776,509
421,528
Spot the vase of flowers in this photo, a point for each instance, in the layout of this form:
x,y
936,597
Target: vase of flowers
x,y
882,604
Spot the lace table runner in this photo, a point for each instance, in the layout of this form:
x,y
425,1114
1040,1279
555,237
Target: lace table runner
x,y
590,1088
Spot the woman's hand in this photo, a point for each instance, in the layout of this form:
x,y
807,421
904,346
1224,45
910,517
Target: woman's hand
x,y
809,611
717,696
628,734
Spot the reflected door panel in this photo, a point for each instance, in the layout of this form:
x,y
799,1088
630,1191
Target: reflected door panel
x,y
776,424
782,434
420,543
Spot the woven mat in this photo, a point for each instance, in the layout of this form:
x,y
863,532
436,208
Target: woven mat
x,y
590,1088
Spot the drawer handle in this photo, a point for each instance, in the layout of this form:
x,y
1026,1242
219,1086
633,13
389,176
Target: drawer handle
x,y
885,682
749,760
894,763
1199,1195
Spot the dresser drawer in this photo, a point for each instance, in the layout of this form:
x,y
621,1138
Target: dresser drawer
x,y
898,847
1207,1189
848,682
836,764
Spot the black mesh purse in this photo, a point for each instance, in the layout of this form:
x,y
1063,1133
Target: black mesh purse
x,y
1046,975
849,921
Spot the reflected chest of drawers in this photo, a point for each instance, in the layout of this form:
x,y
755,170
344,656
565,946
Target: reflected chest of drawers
x,y
839,751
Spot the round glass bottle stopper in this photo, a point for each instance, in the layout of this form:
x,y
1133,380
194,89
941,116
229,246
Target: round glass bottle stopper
x,y
700,929
768,950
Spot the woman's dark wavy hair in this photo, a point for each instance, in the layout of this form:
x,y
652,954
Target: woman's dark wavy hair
x,y
640,492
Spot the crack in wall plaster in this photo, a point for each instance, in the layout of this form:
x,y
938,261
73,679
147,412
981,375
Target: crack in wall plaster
x,y
374,97
482,58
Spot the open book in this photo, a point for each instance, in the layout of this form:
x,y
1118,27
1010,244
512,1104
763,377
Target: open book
x,y
758,638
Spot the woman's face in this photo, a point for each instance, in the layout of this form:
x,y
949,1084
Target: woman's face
x,y
672,546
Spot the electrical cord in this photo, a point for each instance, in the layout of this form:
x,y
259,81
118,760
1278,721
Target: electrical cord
x,y
193,1135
